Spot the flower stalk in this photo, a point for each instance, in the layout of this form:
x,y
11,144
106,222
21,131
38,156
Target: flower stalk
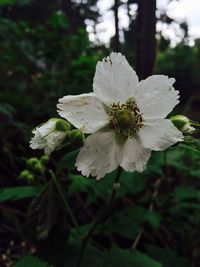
x,y
100,218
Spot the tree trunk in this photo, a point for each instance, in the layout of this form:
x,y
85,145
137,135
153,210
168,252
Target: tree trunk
x,y
146,41
116,37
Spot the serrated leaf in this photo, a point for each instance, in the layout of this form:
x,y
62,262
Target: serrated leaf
x,y
20,192
30,261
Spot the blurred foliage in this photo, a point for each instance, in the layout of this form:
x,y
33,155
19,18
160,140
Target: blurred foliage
x,y
41,62
181,62
39,67
159,208
45,54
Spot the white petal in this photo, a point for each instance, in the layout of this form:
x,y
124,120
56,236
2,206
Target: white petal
x,y
53,141
40,133
37,142
135,156
99,154
47,127
83,111
114,80
159,134
46,137
156,97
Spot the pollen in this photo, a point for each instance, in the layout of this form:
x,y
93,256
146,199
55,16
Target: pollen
x,y
125,119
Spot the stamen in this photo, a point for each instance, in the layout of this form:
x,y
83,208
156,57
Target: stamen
x,y
125,119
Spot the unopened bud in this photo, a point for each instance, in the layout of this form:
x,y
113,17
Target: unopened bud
x,y
26,175
35,164
77,136
62,126
32,161
182,123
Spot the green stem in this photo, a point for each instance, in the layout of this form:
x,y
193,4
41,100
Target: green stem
x,y
99,219
195,123
65,203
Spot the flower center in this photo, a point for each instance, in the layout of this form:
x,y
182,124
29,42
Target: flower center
x,y
125,119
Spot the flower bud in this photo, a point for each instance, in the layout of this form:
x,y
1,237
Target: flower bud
x,y
182,123
26,175
50,135
35,164
32,162
44,159
62,125
77,136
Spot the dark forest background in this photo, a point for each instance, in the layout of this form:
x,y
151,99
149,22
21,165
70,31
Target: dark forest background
x,y
45,53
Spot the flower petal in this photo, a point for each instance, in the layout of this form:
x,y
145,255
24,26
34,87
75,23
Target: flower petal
x,y
156,97
114,80
135,156
83,111
38,141
159,134
47,137
99,154
53,141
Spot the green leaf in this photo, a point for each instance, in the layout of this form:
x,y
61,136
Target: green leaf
x,y
176,209
7,110
92,187
186,192
30,261
43,211
191,143
7,2
115,257
127,223
16,193
130,184
68,161
83,230
168,257
156,163
125,258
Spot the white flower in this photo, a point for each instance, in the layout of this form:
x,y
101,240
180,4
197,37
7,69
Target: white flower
x,y
125,117
49,135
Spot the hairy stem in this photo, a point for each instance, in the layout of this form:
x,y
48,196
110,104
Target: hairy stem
x,y
100,218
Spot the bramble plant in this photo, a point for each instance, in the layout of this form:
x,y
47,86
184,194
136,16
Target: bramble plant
x,y
124,120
